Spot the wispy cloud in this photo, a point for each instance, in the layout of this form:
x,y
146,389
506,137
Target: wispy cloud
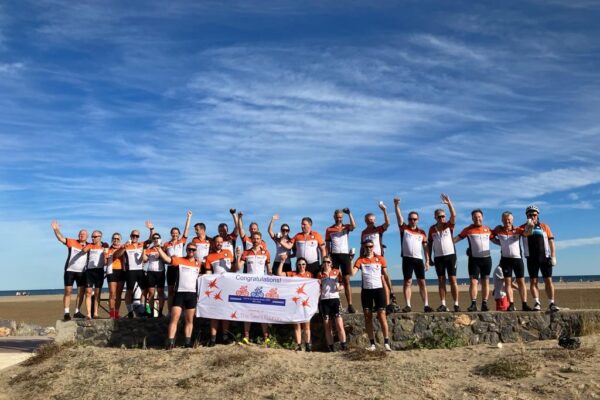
x,y
566,244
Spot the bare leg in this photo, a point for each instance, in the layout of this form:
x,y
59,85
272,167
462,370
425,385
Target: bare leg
x,y
369,324
175,314
88,302
348,289
423,290
161,300
535,292
522,289
247,326
509,289
485,287
112,295
339,327
407,290
80,296
189,322
549,288
442,287
150,299
383,322
67,296
298,334
473,289
96,302
454,288
328,334
214,326
306,329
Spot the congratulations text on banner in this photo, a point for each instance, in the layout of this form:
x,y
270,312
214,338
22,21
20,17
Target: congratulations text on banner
x,y
253,298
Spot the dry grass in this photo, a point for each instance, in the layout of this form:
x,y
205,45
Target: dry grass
x,y
239,357
515,366
560,354
46,352
362,354
590,324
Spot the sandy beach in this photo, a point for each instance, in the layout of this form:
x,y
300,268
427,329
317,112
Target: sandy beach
x,y
45,310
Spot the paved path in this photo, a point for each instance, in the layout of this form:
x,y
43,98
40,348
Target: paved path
x,y
15,349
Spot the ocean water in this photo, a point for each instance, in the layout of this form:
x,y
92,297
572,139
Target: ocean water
x,y
355,283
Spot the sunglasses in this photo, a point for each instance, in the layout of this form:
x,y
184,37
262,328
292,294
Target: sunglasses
x,y
116,238
96,236
191,249
134,235
413,219
327,262
302,264
285,230
532,215
441,216
156,238
369,247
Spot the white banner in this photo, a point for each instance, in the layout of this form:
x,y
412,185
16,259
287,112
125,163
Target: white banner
x,y
254,298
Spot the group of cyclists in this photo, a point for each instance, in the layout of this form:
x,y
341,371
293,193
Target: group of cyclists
x,y
149,264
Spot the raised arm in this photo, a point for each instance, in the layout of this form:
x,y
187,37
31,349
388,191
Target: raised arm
x,y
386,217
274,218
150,227
188,219
119,252
446,200
528,228
399,217
163,256
351,217
279,267
239,225
57,233
239,264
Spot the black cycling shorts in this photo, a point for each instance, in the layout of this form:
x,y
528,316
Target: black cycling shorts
x,y
510,265
373,299
445,265
185,300
534,267
172,275
118,275
78,277
314,268
329,308
136,276
94,278
343,262
480,267
410,265
155,279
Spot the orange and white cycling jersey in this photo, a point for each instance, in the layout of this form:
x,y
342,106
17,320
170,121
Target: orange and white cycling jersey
x,y
248,243
256,261
412,240
155,264
307,245
510,241
76,258
371,271
95,256
113,264
188,274
134,256
374,234
203,247
479,240
175,248
441,239
337,236
294,274
219,262
329,284
537,245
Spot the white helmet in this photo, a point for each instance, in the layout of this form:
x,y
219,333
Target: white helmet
x,y
532,208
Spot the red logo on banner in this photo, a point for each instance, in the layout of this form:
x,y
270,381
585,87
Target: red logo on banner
x,y
233,315
300,290
218,296
208,293
242,291
272,294
213,284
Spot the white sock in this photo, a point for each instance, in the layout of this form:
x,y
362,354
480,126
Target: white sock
x,y
426,303
443,302
551,301
408,303
66,310
537,299
76,310
455,302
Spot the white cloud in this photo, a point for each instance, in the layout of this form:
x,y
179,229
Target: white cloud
x,y
567,244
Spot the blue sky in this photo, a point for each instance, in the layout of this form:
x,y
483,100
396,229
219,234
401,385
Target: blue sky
x,y
113,113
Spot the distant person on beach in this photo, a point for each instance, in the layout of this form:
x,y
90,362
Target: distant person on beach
x,y
283,243
175,248
255,260
133,252
246,240
301,327
309,245
219,261
441,246
337,240
372,296
94,272
155,277
186,293
413,243
480,260
540,251
115,276
508,237
74,269
330,280
229,239
375,233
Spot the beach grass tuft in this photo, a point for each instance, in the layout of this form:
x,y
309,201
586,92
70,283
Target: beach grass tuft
x,y
515,366
362,354
46,352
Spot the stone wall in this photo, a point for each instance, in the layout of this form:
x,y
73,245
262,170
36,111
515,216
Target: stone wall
x,y
410,330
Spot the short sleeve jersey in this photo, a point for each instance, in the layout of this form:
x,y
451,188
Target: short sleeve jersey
x,y
95,256
510,241
479,240
256,261
307,245
338,237
294,274
219,262
189,270
175,248
229,242
203,248
134,256
537,246
412,241
76,258
371,271
441,239
113,264
329,284
279,250
248,243
155,264
374,234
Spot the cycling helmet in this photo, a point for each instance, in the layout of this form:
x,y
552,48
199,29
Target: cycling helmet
x,y
532,208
